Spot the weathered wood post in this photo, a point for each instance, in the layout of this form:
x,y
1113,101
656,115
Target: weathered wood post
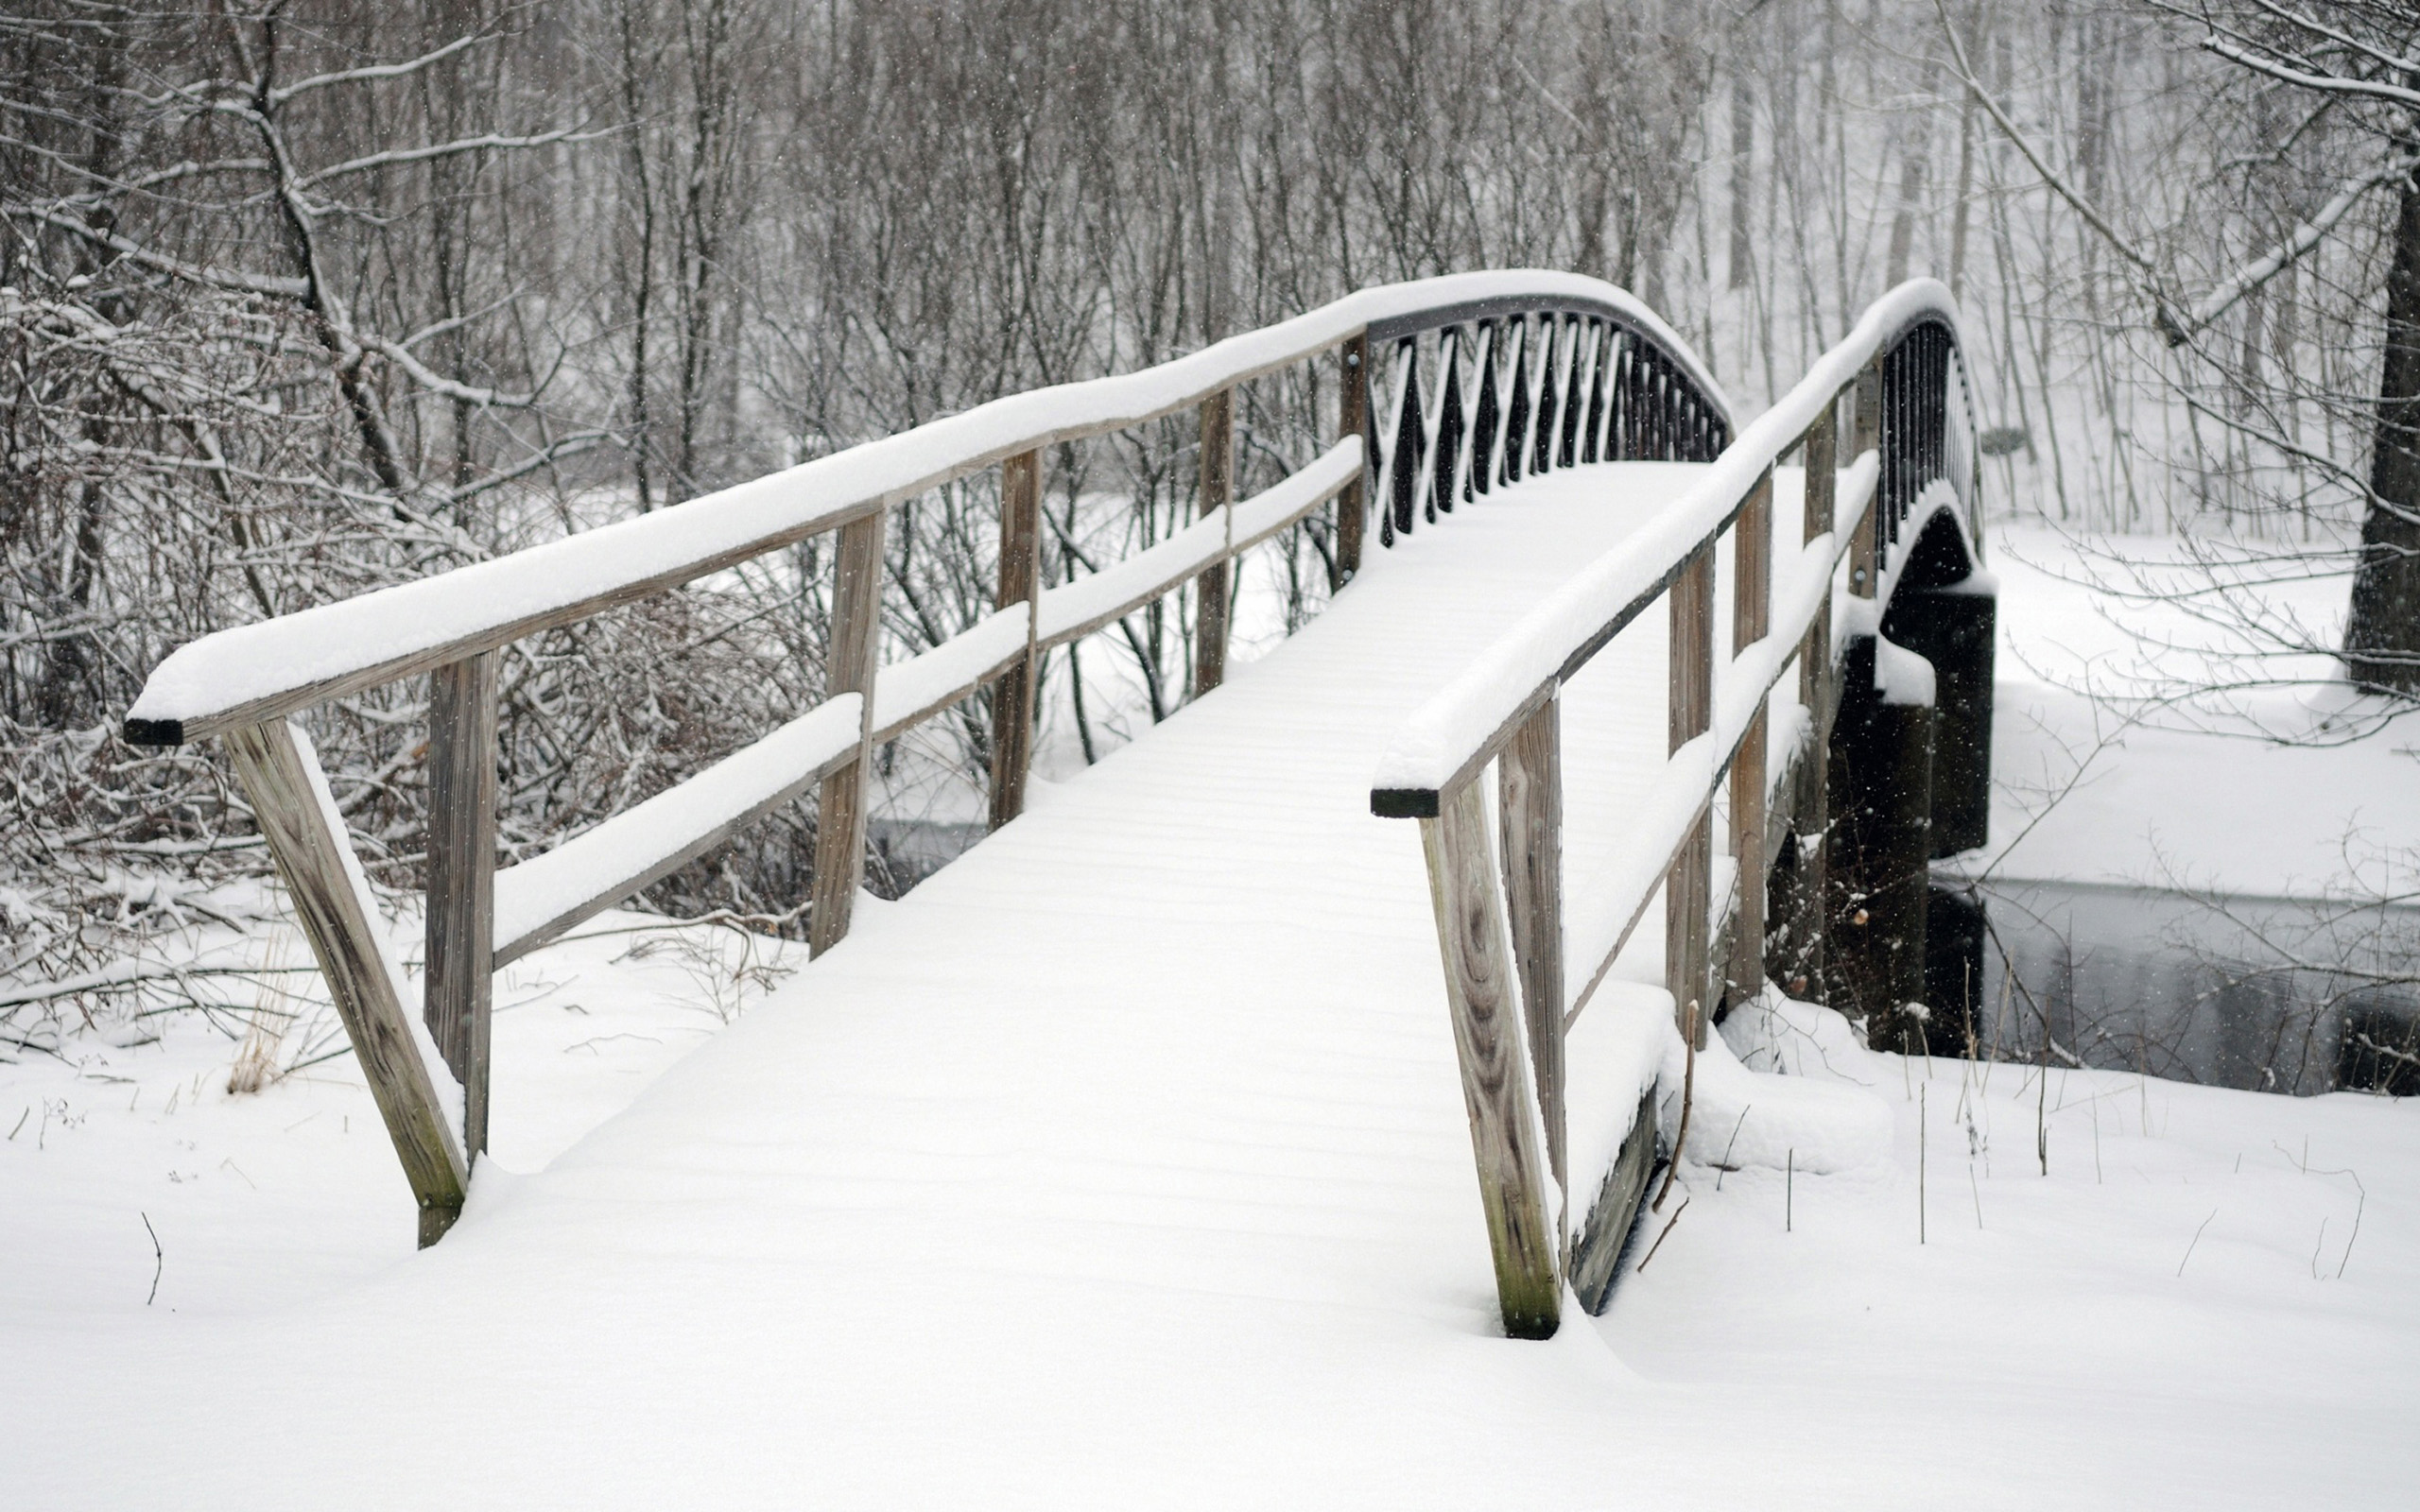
x,y
841,806
1688,886
1012,696
298,818
1751,619
1496,1078
1352,419
1217,494
460,981
1864,560
1529,787
1796,960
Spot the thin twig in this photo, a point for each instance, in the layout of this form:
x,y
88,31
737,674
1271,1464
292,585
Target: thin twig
x,y
1666,1233
2197,1239
158,1259
1688,1089
1720,1171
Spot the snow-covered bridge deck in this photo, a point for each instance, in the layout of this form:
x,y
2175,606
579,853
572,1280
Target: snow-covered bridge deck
x,y
1124,1163
1130,1160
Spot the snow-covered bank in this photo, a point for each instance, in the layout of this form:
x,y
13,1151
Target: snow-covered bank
x,y
263,1200
2276,791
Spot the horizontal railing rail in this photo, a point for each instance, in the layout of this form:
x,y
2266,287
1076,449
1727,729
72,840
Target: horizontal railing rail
x,y
1564,346
281,665
1902,366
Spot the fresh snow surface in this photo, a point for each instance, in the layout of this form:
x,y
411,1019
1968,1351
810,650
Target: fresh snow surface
x,y
2260,795
1124,1163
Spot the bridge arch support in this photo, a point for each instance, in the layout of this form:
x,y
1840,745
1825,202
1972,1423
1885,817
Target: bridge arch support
x,y
1904,773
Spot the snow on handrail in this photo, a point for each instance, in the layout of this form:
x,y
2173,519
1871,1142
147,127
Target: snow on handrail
x,y
1461,727
541,896
1085,604
259,671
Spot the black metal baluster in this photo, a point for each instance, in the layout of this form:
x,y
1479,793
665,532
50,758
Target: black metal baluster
x,y
1938,401
1633,354
1540,459
1593,423
1643,395
1487,414
1902,447
1659,410
1516,416
1448,440
1566,446
1411,448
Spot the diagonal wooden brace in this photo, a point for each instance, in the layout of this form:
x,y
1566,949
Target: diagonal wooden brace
x,y
298,818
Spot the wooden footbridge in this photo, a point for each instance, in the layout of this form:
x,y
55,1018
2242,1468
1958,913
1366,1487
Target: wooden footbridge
x,y
1672,703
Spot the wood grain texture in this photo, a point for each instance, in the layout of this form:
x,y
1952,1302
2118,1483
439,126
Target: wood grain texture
x,y
332,904
1495,1079
1211,589
1751,621
1744,966
1688,886
1822,447
1864,556
1597,1249
459,985
1012,696
840,808
1529,782
1822,455
1353,418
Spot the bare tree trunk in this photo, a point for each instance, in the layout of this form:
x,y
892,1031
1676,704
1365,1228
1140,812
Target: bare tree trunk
x,y
2382,637
643,259
1913,169
1743,152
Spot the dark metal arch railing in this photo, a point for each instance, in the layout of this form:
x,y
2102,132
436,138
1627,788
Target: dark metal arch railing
x,y
1463,400
1923,436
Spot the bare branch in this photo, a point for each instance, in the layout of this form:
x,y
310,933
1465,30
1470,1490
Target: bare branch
x,y
371,72
2304,239
490,142
2302,79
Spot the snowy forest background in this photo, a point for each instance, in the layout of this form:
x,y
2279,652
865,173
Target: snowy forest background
x,y
297,302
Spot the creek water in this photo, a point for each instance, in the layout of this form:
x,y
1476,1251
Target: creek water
x,y
2271,994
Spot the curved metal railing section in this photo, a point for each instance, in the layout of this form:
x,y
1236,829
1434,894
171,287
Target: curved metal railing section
x,y
1465,398
1573,369
1926,421
1511,1016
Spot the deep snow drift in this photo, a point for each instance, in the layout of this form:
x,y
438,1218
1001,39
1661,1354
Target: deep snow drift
x,y
1124,1163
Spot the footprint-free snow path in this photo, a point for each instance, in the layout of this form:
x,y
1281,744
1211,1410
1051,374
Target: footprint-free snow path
x,y
1124,1163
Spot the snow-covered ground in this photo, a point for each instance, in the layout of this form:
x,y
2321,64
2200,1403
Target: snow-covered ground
x,y
2288,790
1124,1163
264,1200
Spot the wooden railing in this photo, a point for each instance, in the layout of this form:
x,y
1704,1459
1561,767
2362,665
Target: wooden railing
x,y
1570,368
1510,1013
